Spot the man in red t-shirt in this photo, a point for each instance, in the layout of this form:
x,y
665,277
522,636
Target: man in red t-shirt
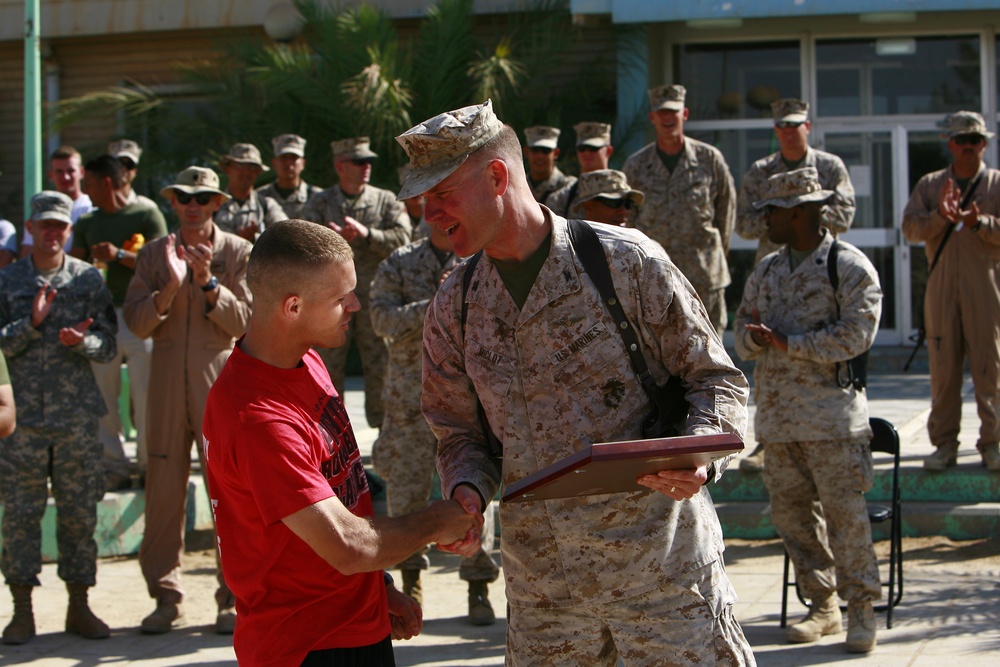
x,y
301,548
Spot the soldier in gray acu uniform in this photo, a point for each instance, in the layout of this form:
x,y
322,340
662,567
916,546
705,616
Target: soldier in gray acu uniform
x,y
375,224
690,199
405,452
288,189
813,421
635,575
56,316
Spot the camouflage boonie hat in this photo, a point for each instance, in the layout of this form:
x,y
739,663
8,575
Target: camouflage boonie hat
x,y
52,205
285,144
542,136
964,122
125,148
667,97
608,183
194,180
440,145
355,148
243,154
790,111
597,135
793,188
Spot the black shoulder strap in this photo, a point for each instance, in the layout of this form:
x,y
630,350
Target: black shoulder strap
x,y
947,233
831,269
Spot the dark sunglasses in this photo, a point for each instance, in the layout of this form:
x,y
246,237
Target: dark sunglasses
x,y
127,163
969,139
616,203
540,149
362,161
583,148
202,198
787,124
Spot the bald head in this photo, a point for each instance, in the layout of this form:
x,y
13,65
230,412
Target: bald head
x,y
288,257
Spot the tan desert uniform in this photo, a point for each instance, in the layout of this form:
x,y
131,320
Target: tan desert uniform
x,y
961,306
389,228
556,181
406,449
690,212
295,202
807,421
837,215
563,200
190,347
553,377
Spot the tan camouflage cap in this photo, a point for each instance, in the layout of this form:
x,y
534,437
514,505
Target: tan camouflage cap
x,y
964,122
440,145
125,148
285,144
243,154
793,188
667,97
52,205
597,135
194,180
355,148
542,136
608,183
790,110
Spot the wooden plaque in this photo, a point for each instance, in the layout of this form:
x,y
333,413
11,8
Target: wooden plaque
x,y
612,467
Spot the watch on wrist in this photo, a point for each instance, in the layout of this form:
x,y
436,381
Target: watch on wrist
x,y
210,285
120,255
387,578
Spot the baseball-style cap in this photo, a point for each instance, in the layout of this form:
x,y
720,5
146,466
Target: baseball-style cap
x,y
243,154
790,111
440,145
597,135
125,148
542,136
608,183
285,144
194,180
355,148
793,188
667,97
52,205
964,122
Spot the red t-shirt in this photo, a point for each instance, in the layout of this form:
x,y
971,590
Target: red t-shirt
x,y
277,441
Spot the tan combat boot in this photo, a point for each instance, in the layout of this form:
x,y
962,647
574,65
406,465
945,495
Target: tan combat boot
x,y
225,621
22,627
412,585
164,617
823,619
942,459
754,462
79,619
991,457
480,609
860,627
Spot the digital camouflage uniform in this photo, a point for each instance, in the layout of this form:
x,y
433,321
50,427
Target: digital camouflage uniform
x,y
690,212
545,189
405,450
58,406
819,463
553,377
961,305
564,199
258,211
389,228
838,212
295,202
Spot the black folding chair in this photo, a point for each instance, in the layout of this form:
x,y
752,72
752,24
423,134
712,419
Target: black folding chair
x,y
885,439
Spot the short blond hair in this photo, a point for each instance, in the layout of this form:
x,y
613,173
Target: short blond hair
x,y
288,255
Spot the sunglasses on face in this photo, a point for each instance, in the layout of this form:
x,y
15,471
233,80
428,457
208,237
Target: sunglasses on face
x,y
361,162
616,203
969,139
202,198
588,149
540,149
787,124
126,163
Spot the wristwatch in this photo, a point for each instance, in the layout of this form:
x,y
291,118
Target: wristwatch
x,y
120,255
210,285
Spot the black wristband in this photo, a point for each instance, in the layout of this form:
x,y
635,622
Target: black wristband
x,y
210,285
120,255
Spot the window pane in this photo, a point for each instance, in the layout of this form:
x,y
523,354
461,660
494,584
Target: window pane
x,y
897,76
737,80
868,155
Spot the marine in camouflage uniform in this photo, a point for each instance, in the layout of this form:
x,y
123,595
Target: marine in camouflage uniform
x,y
541,151
690,208
813,422
593,151
405,451
386,227
59,404
249,212
288,162
791,127
553,376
